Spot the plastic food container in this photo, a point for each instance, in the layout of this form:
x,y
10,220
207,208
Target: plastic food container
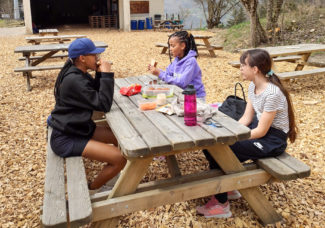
x,y
152,91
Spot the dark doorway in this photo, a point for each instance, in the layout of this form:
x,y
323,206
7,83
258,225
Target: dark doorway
x,y
50,13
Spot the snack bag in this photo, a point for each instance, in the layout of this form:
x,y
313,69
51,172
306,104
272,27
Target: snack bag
x,y
131,90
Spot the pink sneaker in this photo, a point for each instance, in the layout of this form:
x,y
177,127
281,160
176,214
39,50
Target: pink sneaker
x,y
233,195
203,209
219,211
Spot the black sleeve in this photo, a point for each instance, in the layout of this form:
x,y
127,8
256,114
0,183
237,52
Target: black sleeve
x,y
98,76
80,92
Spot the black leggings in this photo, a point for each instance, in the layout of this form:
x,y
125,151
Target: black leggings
x,y
272,144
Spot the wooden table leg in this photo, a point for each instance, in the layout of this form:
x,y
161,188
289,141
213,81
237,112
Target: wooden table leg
x,y
229,163
304,59
27,73
127,183
173,166
164,50
209,47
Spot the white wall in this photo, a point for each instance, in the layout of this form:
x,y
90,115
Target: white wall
x,y
155,7
28,16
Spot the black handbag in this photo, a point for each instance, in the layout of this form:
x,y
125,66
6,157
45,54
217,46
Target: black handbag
x,y
234,106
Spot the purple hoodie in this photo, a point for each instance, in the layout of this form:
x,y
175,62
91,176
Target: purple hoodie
x,y
184,72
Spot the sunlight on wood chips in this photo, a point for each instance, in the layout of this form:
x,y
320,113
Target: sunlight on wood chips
x,y
23,126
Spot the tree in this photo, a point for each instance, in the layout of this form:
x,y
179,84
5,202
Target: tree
x,y
214,10
258,34
272,15
237,16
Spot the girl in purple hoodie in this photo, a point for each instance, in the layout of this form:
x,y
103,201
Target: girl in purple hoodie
x,y
184,70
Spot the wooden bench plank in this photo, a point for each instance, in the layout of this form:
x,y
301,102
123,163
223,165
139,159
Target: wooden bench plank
x,y
38,68
301,168
54,203
177,193
39,57
302,73
54,37
291,58
284,167
214,46
80,211
277,169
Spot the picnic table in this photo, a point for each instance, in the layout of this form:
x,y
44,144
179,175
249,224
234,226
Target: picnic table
x,y
43,32
49,52
206,45
143,135
299,54
54,39
167,24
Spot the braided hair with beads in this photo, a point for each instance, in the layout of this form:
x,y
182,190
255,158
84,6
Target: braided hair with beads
x,y
184,37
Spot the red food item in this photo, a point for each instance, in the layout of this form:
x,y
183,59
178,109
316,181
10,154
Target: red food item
x,y
131,90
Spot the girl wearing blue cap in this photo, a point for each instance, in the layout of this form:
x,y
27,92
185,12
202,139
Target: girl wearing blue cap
x,y
77,95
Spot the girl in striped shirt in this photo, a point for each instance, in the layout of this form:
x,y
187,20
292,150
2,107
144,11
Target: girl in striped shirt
x,y
270,102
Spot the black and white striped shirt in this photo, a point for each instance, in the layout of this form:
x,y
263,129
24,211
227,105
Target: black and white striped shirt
x,y
270,100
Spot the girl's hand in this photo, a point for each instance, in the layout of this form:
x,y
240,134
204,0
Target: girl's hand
x,y
103,66
153,70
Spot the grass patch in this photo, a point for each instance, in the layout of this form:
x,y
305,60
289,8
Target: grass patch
x,y
11,23
237,36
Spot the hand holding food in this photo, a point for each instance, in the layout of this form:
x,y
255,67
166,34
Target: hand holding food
x,y
103,66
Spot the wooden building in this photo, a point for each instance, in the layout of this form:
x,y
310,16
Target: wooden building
x,y
118,13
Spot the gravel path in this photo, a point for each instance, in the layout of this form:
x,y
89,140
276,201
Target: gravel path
x,y
14,31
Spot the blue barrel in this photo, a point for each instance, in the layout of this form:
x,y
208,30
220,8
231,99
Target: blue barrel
x,y
168,25
149,22
140,24
133,24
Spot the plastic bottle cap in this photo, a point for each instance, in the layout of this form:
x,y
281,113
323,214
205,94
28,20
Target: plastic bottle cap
x,y
189,90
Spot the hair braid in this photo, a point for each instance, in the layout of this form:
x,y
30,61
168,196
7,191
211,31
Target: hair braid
x,y
184,37
61,76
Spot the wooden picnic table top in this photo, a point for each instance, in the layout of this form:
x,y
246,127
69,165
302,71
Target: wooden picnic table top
x,y
142,135
297,49
54,37
51,47
146,133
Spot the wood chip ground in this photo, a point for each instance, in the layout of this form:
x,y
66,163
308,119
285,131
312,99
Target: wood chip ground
x,y
23,128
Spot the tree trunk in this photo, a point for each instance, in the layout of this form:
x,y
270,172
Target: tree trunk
x,y
273,12
258,34
269,13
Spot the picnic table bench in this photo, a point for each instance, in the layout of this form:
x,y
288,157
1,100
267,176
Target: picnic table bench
x,y
43,32
141,137
290,58
302,50
200,46
167,24
50,52
56,39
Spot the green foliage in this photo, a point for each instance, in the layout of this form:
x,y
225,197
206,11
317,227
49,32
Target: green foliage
x,y
237,16
237,36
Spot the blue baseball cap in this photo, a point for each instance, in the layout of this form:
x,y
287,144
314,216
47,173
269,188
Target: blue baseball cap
x,y
83,46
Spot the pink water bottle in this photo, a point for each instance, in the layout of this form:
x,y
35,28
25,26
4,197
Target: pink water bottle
x,y
190,105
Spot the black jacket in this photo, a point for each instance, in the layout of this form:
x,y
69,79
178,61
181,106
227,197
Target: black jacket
x,y
78,96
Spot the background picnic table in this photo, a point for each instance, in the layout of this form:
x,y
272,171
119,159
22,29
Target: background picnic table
x,y
22,138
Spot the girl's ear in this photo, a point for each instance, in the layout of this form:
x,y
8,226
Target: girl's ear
x,y
82,58
183,45
255,69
